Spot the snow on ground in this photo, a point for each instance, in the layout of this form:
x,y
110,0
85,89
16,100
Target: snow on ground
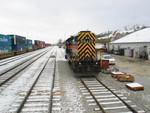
x,y
60,54
72,99
9,94
15,63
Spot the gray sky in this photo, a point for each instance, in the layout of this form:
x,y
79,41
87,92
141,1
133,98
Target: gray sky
x,y
51,20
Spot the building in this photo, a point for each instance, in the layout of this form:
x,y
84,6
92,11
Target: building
x,y
136,44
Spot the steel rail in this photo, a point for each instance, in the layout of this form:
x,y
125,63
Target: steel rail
x,y
51,96
14,58
22,63
97,102
30,90
2,83
100,106
125,103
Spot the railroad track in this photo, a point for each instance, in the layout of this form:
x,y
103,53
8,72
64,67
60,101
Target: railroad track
x,y
7,77
15,58
37,97
106,99
20,63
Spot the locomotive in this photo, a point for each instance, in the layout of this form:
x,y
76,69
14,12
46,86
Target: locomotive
x,y
81,52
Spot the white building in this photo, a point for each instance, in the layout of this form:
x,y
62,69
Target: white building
x,y
136,44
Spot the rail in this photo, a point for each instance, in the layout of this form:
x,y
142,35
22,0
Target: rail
x,y
105,104
5,80
33,85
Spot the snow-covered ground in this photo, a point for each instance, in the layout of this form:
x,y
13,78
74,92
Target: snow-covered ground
x,y
72,100
10,93
60,54
8,66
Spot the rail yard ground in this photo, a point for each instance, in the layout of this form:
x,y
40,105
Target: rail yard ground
x,y
69,95
140,69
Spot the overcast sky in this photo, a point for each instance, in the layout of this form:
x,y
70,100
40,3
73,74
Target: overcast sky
x,y
51,20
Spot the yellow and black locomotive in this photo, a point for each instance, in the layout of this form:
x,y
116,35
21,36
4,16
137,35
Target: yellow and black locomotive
x,y
81,52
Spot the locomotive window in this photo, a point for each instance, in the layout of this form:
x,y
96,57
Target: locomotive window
x,y
87,38
83,41
91,41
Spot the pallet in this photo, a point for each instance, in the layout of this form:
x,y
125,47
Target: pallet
x,y
117,74
135,86
125,78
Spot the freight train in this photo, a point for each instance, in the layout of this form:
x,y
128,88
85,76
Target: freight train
x,y
81,53
11,45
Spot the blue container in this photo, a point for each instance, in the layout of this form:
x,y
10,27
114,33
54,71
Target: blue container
x,y
1,50
5,49
18,47
28,42
18,40
5,40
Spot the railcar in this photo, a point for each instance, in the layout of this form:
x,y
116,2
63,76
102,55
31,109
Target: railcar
x,y
5,46
81,52
11,45
29,45
18,44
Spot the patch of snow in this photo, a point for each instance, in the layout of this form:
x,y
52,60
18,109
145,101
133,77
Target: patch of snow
x,y
9,94
60,54
17,62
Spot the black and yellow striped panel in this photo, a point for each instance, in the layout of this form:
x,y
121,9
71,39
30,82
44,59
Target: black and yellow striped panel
x,y
86,45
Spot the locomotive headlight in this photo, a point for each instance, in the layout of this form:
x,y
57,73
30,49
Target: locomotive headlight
x,y
79,63
96,62
87,38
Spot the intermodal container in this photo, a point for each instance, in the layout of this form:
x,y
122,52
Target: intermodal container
x,y
35,47
5,49
47,44
18,40
18,47
42,43
29,47
28,42
5,40
1,49
36,42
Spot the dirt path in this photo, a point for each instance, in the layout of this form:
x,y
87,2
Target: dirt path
x,y
141,72
133,66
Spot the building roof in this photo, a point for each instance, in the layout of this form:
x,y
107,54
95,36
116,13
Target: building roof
x,y
138,36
